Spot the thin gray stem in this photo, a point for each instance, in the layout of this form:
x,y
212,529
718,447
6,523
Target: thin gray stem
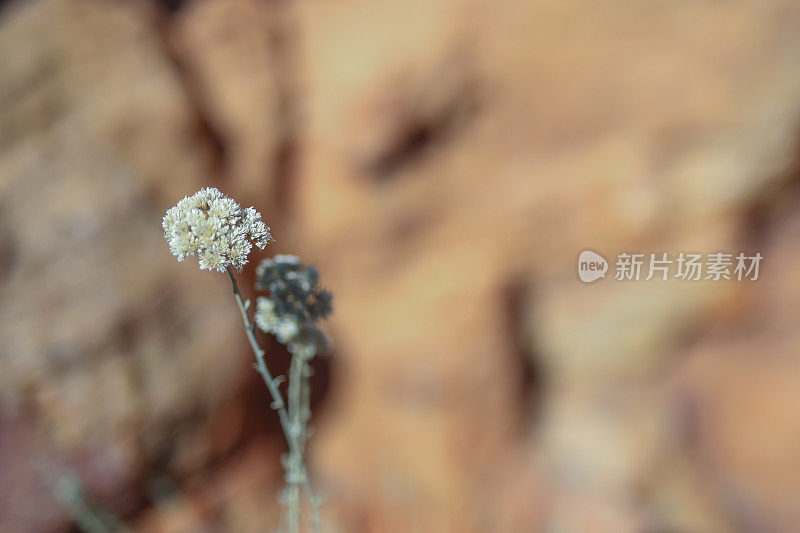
x,y
295,463
295,467
305,415
84,516
261,365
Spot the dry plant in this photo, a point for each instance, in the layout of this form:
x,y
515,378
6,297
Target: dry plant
x,y
221,234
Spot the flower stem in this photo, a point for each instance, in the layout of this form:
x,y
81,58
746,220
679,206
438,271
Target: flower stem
x,y
293,427
305,415
261,365
297,429
87,518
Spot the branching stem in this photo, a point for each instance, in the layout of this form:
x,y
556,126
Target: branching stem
x,y
293,421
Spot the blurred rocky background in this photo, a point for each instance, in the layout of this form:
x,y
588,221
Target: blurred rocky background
x,y
444,162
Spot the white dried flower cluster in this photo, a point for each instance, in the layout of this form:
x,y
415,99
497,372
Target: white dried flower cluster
x,y
216,228
267,319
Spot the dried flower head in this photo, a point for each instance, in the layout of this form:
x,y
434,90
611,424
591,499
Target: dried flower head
x,y
284,328
295,304
310,340
294,287
216,228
